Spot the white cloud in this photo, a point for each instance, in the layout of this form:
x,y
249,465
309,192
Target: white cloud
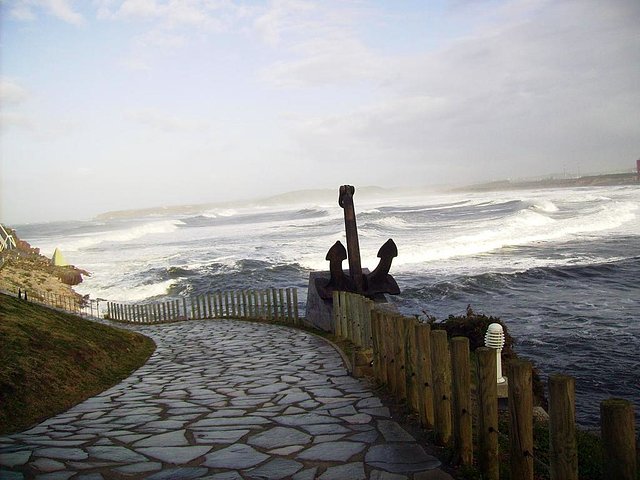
x,y
173,13
61,9
165,122
285,17
525,93
15,120
11,93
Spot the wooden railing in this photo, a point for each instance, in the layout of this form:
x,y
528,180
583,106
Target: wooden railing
x,y
432,374
277,305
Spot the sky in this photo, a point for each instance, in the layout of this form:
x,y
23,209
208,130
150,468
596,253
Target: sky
x,y
111,104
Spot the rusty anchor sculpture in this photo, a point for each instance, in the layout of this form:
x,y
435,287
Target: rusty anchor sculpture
x,y
369,284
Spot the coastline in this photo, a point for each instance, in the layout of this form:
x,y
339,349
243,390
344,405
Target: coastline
x,y
24,268
604,180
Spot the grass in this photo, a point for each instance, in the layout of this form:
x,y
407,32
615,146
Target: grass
x,y
50,361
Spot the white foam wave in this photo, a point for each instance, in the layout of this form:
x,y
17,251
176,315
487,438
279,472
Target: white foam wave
x,y
523,228
79,242
545,206
391,223
126,293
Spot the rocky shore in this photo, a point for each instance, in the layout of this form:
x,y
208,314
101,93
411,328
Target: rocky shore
x,y
24,268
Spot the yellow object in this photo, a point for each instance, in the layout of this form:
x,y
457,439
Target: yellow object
x,y
58,260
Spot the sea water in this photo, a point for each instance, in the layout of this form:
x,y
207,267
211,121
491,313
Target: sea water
x,y
560,267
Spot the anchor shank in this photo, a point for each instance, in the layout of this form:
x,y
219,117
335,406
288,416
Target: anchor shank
x,y
353,246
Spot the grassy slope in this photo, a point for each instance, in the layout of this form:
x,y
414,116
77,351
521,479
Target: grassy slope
x,y
50,361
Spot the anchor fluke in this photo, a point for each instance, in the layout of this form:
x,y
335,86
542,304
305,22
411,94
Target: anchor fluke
x,y
338,281
379,281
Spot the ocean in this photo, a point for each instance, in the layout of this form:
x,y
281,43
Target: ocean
x,y
559,266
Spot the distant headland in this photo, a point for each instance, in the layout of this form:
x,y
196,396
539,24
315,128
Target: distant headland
x,y
604,180
368,193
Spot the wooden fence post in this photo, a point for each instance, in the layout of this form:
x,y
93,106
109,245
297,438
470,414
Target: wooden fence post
x,y
488,413
617,425
425,377
461,388
562,428
375,337
184,307
390,352
245,310
521,419
276,308
413,387
289,307
441,371
296,312
337,328
281,305
356,302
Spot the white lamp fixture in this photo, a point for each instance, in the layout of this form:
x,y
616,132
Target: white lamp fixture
x,y
494,338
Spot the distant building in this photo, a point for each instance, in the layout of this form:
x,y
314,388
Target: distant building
x,y
638,170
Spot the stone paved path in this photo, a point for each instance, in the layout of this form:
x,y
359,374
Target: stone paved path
x,y
225,400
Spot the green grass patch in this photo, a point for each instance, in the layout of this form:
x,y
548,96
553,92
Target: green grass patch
x,y
50,361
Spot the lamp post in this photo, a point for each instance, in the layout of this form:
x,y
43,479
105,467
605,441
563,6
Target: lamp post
x,y
494,338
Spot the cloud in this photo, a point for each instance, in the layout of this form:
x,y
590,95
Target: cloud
x,y
15,120
202,14
164,122
61,9
11,93
318,43
533,87
284,17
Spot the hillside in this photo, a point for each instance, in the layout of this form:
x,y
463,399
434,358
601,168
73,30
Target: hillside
x,y
51,360
606,180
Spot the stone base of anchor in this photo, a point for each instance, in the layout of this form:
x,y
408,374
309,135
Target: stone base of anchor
x,y
319,313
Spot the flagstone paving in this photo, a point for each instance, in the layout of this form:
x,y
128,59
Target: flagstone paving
x,y
225,399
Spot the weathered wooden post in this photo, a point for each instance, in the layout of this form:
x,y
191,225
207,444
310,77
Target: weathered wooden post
x,y
461,388
488,413
337,328
383,342
375,340
521,419
441,371
245,309
210,306
296,312
562,428
401,358
425,377
392,366
184,308
269,305
390,341
276,313
413,387
289,307
281,313
617,425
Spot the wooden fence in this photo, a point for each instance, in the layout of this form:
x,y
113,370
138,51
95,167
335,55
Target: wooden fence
x,y
277,305
72,304
432,374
